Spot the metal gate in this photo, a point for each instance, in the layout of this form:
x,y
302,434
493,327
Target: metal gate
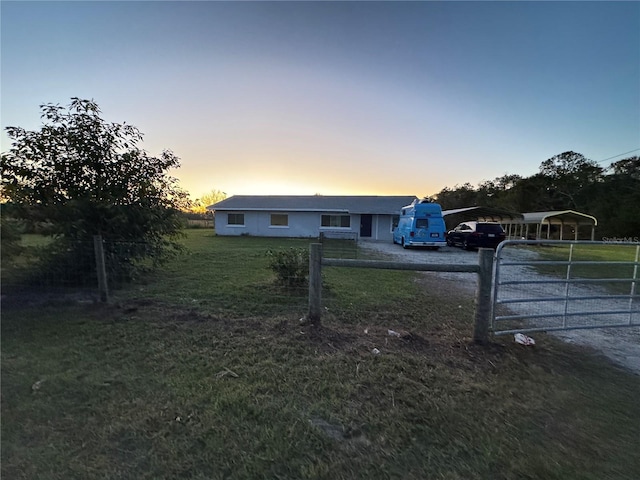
x,y
563,285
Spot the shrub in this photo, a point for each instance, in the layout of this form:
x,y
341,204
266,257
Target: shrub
x,y
10,236
291,266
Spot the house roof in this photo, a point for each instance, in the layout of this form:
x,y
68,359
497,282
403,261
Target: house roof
x,y
390,205
559,217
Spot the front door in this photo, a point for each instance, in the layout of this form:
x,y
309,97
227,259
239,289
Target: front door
x,y
365,225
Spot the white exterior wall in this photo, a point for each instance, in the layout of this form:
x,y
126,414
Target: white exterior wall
x,y
301,225
381,228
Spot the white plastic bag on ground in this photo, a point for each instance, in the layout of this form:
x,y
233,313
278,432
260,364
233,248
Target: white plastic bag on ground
x,y
523,339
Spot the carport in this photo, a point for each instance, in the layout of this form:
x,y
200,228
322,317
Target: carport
x,y
481,214
537,221
532,225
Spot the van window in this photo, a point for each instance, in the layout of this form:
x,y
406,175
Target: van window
x,y
394,222
422,223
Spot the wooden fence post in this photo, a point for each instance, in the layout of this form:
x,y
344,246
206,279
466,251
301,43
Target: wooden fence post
x,y
100,268
315,283
483,296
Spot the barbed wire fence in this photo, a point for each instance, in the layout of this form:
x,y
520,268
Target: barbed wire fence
x,y
38,274
78,270
336,244
99,271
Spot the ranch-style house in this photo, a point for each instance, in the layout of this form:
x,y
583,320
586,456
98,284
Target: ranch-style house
x,y
365,217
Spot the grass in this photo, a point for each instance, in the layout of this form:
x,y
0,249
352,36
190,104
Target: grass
x,y
600,253
230,277
155,385
35,240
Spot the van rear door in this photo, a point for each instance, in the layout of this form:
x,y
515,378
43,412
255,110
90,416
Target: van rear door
x,y
421,229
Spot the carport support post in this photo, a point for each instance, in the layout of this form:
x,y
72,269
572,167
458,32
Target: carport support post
x,y
483,296
315,283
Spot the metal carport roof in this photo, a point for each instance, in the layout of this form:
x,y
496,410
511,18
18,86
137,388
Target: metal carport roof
x,y
559,217
486,214
522,220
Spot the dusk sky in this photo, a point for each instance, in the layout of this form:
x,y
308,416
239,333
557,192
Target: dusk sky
x,y
337,98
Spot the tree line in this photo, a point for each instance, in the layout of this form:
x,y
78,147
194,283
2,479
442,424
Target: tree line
x,y
567,181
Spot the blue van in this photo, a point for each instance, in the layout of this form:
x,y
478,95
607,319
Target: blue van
x,y
421,225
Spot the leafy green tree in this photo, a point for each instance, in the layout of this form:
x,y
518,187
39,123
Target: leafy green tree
x,y
497,192
530,194
200,205
627,166
85,176
615,200
568,174
457,197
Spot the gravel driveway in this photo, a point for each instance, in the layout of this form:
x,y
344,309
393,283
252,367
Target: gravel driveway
x,y
621,345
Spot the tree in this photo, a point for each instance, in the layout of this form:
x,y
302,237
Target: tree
x,y
85,176
615,203
568,174
496,192
627,166
457,197
200,205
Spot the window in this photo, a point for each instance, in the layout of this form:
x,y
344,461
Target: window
x,y
235,219
342,221
279,220
422,223
394,222
489,228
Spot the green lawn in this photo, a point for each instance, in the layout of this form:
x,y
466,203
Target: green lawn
x,y
35,240
199,373
614,252
618,252
230,277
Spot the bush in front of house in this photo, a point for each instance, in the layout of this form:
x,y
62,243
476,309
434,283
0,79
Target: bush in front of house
x,y
291,266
